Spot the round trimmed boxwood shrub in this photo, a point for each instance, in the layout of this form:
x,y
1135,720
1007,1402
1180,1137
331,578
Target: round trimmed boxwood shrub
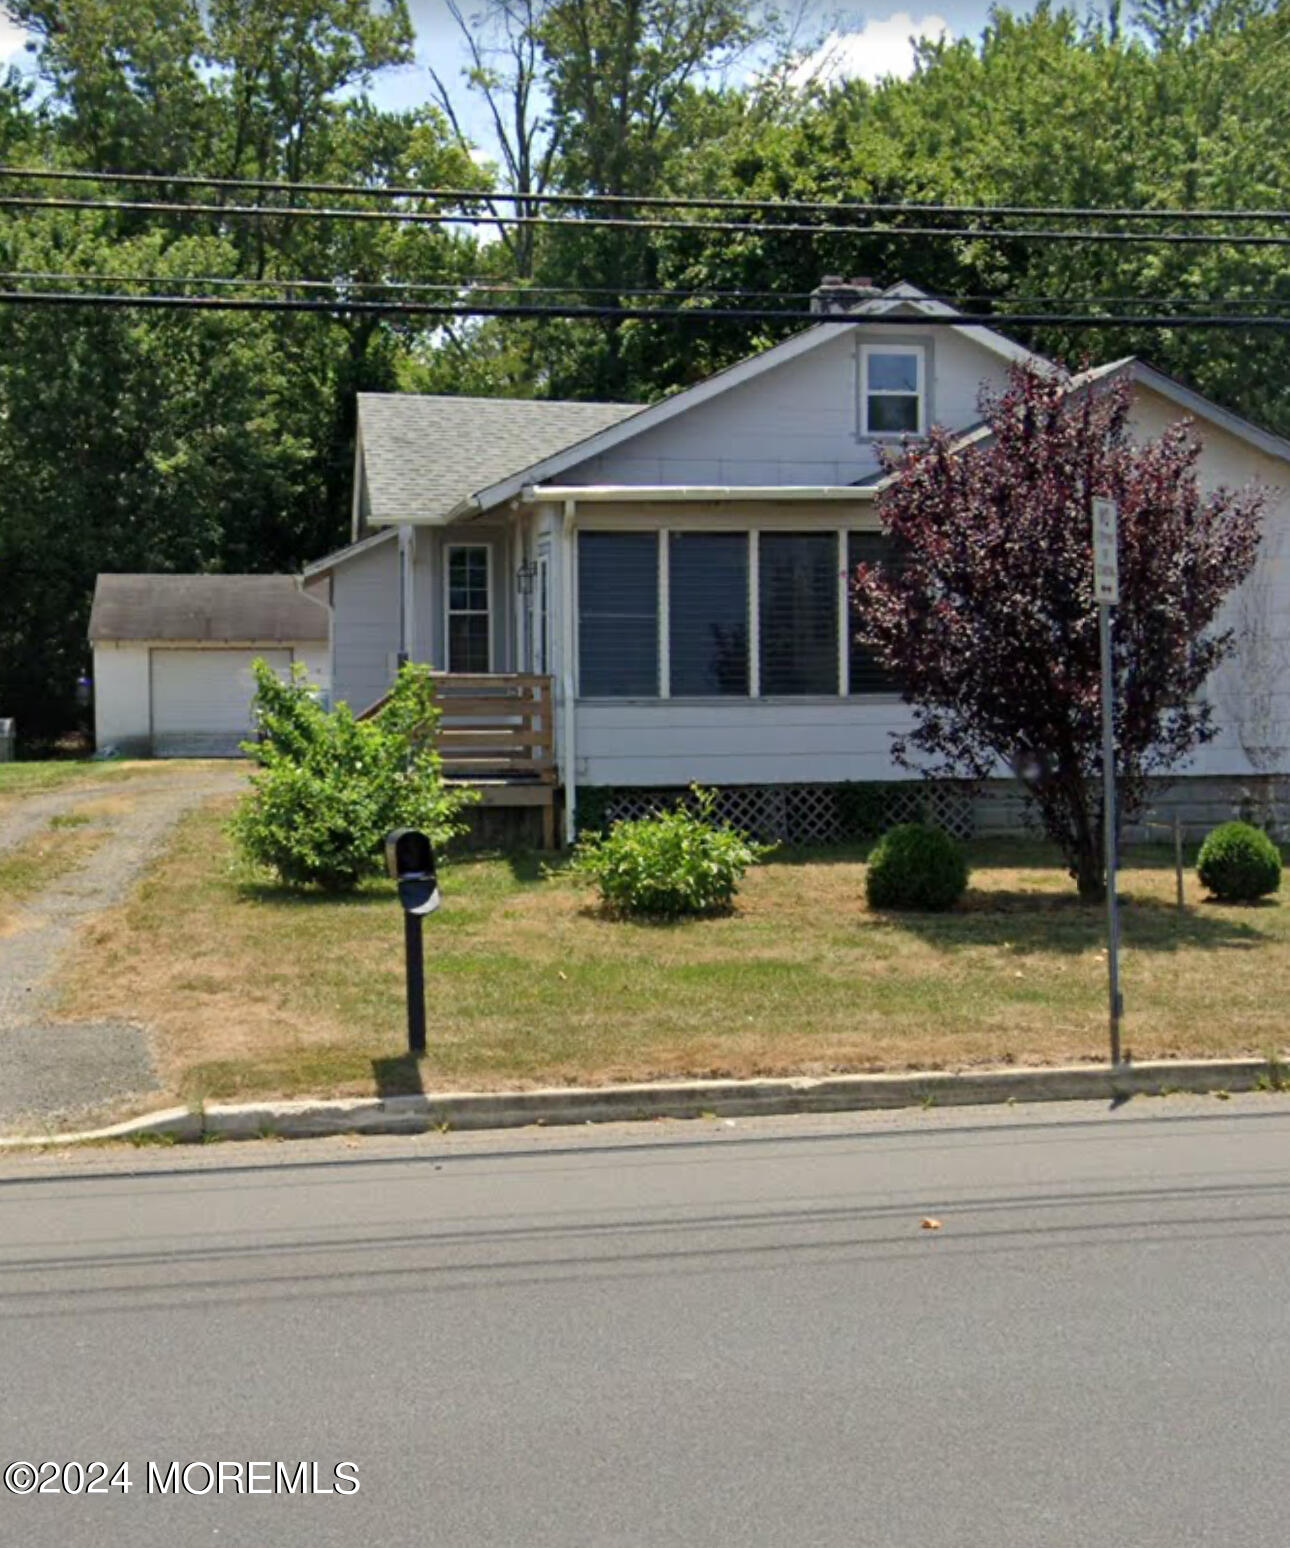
x,y
1239,863
916,866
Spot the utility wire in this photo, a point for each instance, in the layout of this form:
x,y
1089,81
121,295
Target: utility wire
x,y
343,307
742,228
646,201
474,287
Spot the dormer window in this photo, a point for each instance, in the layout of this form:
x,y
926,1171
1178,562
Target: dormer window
x,y
892,391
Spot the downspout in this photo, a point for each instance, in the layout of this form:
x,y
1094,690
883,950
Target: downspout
x,y
407,595
568,738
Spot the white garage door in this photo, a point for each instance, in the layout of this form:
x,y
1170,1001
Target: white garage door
x,y
201,700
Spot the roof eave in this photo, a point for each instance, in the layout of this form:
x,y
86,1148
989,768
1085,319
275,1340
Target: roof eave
x,y
696,493
344,555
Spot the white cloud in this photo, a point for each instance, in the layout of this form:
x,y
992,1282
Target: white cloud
x,y
883,46
12,37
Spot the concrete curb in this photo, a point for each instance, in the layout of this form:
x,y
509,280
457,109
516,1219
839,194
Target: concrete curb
x,y
677,1099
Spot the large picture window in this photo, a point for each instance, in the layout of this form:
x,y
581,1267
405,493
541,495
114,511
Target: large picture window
x,y
865,673
469,629
708,613
798,600
618,615
891,391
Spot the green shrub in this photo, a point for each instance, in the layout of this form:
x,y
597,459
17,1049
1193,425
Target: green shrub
x,y
1239,863
680,862
329,787
916,866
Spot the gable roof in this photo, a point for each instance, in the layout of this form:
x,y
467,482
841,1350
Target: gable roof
x,y
1194,404
422,456
246,608
903,299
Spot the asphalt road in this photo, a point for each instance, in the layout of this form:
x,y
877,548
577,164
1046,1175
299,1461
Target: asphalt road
x,y
680,1334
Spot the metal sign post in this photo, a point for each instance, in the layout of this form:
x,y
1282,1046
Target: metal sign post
x,y
1106,587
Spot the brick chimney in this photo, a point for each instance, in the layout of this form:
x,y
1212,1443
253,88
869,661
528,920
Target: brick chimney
x,y
835,294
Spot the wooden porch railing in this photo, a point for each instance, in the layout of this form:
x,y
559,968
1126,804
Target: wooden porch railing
x,y
496,726
496,732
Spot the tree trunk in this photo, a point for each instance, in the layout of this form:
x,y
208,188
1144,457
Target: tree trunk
x,y
1090,878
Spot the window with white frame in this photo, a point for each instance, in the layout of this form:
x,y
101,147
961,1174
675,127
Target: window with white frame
x,y
469,621
892,390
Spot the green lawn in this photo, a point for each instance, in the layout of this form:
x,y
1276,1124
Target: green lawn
x,y
251,991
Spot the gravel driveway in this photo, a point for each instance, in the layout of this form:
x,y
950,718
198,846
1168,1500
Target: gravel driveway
x,y
53,1070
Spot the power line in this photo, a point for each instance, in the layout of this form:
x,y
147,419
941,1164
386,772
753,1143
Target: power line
x,y
343,307
742,228
477,286
646,201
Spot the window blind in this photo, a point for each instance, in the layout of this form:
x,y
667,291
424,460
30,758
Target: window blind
x,y
798,596
708,613
617,615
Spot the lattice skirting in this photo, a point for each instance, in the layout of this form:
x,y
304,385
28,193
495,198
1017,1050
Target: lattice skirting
x,y
805,814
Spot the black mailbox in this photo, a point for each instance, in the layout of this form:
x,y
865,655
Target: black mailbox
x,y
409,858
409,855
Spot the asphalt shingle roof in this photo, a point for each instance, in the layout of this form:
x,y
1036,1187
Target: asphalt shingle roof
x,y
422,455
247,608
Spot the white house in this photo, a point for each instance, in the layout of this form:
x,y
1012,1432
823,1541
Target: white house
x,y
679,570
173,654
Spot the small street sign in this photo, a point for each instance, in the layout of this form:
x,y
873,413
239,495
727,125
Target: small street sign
x,y
1106,552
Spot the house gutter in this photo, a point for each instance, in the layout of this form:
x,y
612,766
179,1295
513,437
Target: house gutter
x,y
666,494
569,736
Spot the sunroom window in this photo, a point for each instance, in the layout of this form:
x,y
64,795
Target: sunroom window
x,y
618,615
798,602
708,613
891,391
866,676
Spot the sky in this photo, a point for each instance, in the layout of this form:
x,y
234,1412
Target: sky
x,y
869,43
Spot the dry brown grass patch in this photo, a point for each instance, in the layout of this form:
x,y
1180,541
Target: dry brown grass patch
x,y
252,992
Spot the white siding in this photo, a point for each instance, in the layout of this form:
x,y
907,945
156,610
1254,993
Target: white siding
x,y
122,713
737,741
428,638
315,657
365,625
797,423
431,642
1263,602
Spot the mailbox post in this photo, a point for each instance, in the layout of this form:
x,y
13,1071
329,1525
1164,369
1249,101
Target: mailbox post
x,y
409,858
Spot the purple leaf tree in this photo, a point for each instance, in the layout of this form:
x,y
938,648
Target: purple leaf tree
x,y
986,616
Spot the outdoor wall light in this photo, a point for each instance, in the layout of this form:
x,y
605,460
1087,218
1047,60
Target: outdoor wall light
x,y
524,577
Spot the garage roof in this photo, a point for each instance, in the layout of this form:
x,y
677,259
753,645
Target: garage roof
x,y
250,609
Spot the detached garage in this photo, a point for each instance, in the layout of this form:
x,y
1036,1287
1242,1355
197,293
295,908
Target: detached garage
x,y
173,654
